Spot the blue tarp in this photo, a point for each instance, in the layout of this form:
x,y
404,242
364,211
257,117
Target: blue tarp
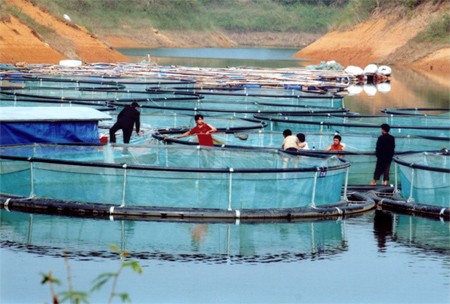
x,y
12,133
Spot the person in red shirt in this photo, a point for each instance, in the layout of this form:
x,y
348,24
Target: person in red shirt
x,y
201,128
336,146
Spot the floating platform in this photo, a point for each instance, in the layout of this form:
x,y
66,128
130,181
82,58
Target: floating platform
x,y
357,203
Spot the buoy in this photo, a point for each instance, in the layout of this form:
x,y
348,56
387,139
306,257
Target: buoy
x,y
354,70
384,70
70,63
370,69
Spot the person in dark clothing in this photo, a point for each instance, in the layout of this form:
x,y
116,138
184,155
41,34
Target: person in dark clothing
x,y
126,119
384,152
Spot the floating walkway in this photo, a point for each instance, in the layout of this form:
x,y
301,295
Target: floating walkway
x,y
388,200
356,203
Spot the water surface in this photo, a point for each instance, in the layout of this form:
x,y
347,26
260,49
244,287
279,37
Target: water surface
x,y
373,258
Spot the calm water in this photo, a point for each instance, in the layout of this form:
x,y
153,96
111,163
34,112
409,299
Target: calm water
x,y
372,258
378,257
217,57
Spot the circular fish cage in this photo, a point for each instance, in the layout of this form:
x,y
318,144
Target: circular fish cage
x,y
175,181
425,185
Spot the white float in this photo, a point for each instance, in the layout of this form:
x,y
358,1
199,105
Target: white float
x,y
70,63
370,69
384,70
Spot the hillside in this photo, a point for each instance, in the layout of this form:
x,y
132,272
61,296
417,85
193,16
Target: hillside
x,y
19,43
385,38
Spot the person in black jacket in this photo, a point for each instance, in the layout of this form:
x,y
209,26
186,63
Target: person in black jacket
x,y
384,152
126,119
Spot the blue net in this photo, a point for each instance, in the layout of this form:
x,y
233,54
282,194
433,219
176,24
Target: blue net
x,y
425,178
174,176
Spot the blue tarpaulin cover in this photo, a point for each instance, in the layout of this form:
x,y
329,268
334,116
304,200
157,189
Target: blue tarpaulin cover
x,y
48,132
25,125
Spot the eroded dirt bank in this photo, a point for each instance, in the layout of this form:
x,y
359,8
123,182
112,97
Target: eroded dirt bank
x,y
385,39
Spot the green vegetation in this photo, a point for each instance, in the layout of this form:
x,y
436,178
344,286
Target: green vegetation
x,y
437,31
356,11
232,15
75,296
43,31
291,16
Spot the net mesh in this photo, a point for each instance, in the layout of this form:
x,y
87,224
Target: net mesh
x,y
174,176
426,185
417,125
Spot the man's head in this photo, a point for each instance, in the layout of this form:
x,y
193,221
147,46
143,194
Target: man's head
x,y
199,119
287,132
337,139
386,128
301,137
134,104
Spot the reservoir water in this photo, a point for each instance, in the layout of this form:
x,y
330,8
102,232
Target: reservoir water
x,y
377,257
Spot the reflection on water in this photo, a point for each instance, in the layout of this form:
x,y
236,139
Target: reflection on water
x,y
411,231
419,232
172,241
409,89
382,228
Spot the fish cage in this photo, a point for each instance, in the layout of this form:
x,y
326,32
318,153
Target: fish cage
x,y
94,94
94,80
439,112
228,181
362,124
264,96
210,108
425,178
8,101
182,123
360,148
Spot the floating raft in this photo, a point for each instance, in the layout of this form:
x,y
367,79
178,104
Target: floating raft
x,y
305,80
393,202
357,203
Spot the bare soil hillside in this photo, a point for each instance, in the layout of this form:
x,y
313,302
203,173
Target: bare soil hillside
x,y
385,39
18,43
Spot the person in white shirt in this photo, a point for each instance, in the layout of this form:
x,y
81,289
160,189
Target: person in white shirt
x,y
290,142
303,145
